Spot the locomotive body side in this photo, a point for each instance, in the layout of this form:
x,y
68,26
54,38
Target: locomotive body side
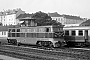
x,y
40,35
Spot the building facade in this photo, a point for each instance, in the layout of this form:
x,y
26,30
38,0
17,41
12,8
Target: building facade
x,y
9,17
67,20
85,23
57,17
4,31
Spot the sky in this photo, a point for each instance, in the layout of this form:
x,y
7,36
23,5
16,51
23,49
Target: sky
x,y
70,7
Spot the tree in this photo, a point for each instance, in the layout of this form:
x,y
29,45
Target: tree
x,y
43,19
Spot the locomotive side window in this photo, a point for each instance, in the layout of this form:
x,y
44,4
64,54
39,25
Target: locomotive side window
x,y
29,34
22,34
3,33
13,34
81,32
9,30
47,29
50,35
46,35
73,33
41,35
34,35
66,32
18,30
17,34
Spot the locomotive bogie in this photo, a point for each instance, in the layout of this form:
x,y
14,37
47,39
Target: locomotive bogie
x,y
38,41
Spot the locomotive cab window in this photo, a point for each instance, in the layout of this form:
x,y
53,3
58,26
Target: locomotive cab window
x,y
80,32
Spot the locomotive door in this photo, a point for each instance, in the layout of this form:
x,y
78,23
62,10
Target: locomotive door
x,y
86,36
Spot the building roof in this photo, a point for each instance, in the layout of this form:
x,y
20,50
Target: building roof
x,y
85,23
72,17
25,16
55,14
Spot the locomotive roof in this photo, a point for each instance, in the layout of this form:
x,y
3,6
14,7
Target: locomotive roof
x,y
77,28
34,26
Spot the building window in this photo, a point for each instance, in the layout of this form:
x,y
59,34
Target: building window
x,y
81,32
73,33
14,22
58,19
4,33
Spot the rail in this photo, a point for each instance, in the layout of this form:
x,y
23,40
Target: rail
x,y
46,53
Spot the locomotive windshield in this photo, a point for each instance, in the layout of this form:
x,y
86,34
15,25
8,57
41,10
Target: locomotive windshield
x,y
58,34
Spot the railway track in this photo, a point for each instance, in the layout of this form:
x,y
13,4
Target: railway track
x,y
53,54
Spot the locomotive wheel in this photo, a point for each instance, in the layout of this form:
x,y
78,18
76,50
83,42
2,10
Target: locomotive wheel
x,y
57,44
39,43
81,45
51,45
18,44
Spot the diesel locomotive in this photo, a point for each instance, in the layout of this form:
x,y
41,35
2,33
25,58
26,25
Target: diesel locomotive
x,y
51,36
